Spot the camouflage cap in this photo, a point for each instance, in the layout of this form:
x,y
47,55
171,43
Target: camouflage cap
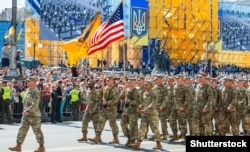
x,y
109,78
31,78
214,79
187,78
202,74
131,79
170,78
141,77
227,79
179,76
148,82
91,81
159,76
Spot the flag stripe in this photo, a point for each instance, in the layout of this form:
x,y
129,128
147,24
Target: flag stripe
x,y
109,32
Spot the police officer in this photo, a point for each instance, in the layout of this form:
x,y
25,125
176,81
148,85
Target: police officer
x,y
109,112
31,117
75,101
5,95
130,113
149,116
92,111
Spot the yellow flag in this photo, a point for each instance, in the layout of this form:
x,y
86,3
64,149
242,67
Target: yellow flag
x,y
78,47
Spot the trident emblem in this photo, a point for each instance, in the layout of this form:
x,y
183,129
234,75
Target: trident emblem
x,y
139,22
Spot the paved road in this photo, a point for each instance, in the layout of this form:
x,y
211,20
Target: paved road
x,y
61,137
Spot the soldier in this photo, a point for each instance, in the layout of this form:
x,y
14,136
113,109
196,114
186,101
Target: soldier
x,y
109,111
216,103
149,116
246,122
242,102
169,105
92,111
5,95
190,105
31,117
161,91
75,101
203,108
129,119
181,101
228,111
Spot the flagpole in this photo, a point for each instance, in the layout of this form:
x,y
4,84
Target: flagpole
x,y
13,72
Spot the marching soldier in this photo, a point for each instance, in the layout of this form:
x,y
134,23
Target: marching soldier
x,y
216,103
109,111
129,119
228,111
149,116
190,104
242,102
31,117
161,91
92,110
181,101
203,108
246,122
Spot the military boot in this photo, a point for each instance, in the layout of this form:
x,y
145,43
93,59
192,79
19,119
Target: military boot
x,y
183,139
96,139
164,136
115,140
16,148
128,142
41,148
84,138
175,137
137,145
158,145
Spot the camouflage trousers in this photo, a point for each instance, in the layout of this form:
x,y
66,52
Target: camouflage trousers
x,y
216,119
246,124
87,118
153,122
163,116
230,117
35,123
190,121
202,123
129,125
181,116
110,115
240,119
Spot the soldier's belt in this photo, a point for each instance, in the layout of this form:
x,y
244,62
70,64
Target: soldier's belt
x,y
106,106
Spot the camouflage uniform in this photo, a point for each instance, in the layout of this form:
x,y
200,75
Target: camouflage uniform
x,y
149,116
216,107
242,104
92,111
181,101
229,100
203,110
246,122
109,112
161,91
129,119
31,104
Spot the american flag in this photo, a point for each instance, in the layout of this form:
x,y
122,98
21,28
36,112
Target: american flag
x,y
110,31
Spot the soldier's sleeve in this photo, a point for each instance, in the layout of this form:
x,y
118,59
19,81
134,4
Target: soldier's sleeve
x,y
187,97
135,97
122,96
219,93
95,102
165,98
210,98
234,99
114,96
35,102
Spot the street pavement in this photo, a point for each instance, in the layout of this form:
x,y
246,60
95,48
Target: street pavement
x,y
62,137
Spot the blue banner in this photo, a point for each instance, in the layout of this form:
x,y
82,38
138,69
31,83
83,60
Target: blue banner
x,y
126,16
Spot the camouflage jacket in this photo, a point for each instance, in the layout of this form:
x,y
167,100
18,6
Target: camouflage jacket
x,y
161,92
229,98
31,102
133,97
111,95
93,99
242,98
149,102
181,96
204,97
